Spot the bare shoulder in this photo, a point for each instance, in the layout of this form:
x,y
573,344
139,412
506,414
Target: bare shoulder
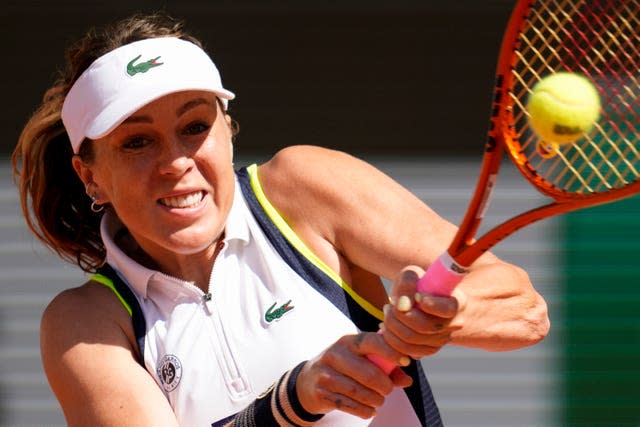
x,y
310,166
300,165
302,180
314,188
88,314
89,356
84,309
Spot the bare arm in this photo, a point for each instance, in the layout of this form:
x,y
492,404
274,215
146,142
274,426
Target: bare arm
x,y
352,215
89,359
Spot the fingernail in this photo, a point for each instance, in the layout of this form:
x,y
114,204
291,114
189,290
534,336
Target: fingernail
x,y
409,276
404,361
381,326
419,297
386,309
404,303
392,300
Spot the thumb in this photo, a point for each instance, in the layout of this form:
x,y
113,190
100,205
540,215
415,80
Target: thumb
x,y
405,287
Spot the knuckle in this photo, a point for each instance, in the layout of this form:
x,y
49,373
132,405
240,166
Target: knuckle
x,y
366,413
385,389
324,380
330,358
345,340
375,400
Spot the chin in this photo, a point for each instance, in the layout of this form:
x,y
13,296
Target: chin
x,y
192,243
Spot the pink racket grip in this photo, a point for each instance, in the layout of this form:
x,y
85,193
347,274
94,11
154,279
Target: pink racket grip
x,y
384,364
440,279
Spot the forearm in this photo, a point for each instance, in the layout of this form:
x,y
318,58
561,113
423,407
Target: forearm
x,y
501,309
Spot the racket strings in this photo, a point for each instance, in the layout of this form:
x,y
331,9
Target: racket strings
x,y
599,39
611,68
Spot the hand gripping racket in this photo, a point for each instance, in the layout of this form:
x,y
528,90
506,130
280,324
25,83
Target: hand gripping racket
x,y
599,39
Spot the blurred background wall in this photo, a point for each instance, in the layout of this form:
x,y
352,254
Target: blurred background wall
x,y
374,76
405,84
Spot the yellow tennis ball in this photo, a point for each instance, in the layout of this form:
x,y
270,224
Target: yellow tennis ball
x,y
562,107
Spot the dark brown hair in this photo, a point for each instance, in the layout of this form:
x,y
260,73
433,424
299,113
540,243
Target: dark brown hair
x,y
53,198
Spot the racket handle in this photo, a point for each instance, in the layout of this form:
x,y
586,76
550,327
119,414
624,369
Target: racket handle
x,y
440,279
386,365
442,276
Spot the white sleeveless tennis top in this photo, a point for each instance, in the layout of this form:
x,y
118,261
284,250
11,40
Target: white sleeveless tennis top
x,y
213,355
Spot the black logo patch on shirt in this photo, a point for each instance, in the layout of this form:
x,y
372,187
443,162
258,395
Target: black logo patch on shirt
x,y
169,372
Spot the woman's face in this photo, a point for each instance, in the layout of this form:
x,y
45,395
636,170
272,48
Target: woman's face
x,y
167,172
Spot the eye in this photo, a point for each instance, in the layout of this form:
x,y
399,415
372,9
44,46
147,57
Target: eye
x,y
196,128
136,142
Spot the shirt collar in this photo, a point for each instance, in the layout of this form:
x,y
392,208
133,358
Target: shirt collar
x,y
135,274
139,276
237,227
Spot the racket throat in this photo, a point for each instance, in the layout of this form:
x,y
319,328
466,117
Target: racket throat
x,y
465,236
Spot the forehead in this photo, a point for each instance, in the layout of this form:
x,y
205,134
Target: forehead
x,y
178,103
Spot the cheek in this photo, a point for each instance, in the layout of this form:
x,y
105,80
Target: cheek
x,y
122,183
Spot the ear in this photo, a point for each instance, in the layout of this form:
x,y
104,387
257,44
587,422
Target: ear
x,y
83,170
85,173
228,120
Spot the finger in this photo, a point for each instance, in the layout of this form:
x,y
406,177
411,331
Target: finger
x,y
366,343
417,345
343,385
413,322
348,357
322,389
347,404
446,307
400,378
404,288
418,351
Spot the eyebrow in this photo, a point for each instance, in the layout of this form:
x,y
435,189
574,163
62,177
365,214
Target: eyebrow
x,y
192,104
137,119
180,111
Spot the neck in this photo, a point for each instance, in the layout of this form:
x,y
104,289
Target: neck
x,y
195,268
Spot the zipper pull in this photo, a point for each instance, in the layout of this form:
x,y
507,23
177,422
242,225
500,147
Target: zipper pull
x,y
208,304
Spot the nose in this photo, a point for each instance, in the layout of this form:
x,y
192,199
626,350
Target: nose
x,y
174,159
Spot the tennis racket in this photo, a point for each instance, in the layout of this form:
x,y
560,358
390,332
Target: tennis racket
x,y
599,39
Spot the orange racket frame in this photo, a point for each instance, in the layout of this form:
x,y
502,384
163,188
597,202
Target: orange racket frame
x,y
502,137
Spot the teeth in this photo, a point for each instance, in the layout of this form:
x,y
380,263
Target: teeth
x,y
186,201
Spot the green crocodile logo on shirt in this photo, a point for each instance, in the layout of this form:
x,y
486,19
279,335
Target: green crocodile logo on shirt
x,y
143,67
272,314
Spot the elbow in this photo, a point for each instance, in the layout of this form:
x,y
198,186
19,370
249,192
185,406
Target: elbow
x,y
535,316
538,323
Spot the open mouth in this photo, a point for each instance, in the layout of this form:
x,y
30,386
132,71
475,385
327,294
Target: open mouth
x,y
184,201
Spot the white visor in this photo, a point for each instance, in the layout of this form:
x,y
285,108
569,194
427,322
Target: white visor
x,y
124,80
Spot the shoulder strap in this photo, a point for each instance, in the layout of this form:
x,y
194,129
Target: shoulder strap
x,y
107,276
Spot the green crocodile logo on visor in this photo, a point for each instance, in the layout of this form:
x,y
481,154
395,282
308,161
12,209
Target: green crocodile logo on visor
x,y
143,67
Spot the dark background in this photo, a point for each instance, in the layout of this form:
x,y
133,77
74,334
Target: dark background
x,y
370,77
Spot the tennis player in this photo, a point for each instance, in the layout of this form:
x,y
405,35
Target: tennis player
x,y
242,297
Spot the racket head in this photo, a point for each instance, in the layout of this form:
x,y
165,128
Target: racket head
x,y
598,39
